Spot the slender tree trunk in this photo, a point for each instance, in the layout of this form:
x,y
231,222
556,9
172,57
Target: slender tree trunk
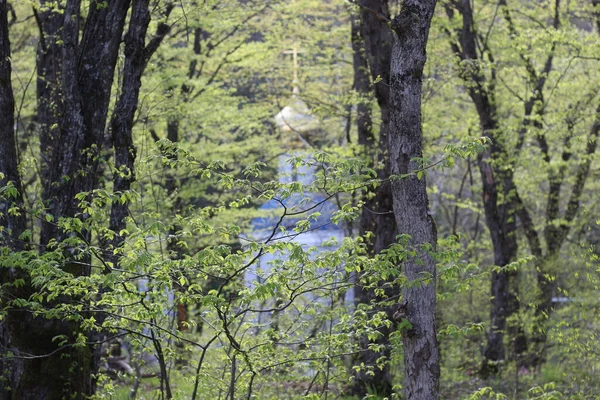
x,y
173,247
362,87
137,55
498,190
13,225
371,43
48,89
411,205
173,185
558,226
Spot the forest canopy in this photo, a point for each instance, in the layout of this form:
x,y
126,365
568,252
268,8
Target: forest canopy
x,y
299,199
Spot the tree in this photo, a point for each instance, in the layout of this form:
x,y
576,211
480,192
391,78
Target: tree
x,y
372,42
89,233
497,184
504,194
75,77
172,200
411,205
12,218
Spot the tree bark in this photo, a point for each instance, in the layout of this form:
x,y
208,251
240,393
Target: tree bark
x,y
48,87
371,45
411,205
377,215
74,85
172,185
87,73
137,55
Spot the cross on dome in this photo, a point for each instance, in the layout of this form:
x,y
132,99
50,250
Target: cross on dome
x,y
294,51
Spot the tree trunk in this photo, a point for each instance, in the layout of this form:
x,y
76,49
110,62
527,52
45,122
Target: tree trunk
x,y
137,55
80,74
173,247
121,123
371,44
48,88
377,215
411,205
499,192
13,225
87,73
172,185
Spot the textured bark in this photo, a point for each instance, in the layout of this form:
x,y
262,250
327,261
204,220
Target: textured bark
x,y
137,55
87,73
362,86
74,83
377,216
121,124
371,44
48,88
411,205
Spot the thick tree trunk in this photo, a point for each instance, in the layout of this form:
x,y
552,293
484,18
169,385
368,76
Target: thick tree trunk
x,y
500,220
411,205
375,36
87,73
80,75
